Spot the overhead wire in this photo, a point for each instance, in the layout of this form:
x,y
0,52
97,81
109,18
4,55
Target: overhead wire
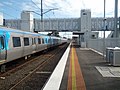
x,y
35,4
18,10
16,4
9,15
52,8
49,6
48,16
31,3
84,6
10,6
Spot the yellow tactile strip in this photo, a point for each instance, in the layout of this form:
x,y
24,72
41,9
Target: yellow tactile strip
x,y
75,78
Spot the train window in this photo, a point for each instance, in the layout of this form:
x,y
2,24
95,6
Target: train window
x,y
42,41
39,41
53,41
46,41
26,41
1,43
34,40
49,40
16,41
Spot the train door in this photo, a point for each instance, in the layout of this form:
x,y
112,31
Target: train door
x,y
34,46
36,42
2,48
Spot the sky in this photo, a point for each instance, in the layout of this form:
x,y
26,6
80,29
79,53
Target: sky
x,y
12,9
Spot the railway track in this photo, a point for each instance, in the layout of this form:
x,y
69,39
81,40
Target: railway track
x,y
22,74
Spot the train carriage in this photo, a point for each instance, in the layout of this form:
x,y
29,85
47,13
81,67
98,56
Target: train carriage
x,y
4,42
15,44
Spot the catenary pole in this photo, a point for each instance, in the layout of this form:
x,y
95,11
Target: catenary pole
x,y
104,31
116,19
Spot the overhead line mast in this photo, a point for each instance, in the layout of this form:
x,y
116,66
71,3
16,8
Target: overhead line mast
x,y
116,19
41,11
104,46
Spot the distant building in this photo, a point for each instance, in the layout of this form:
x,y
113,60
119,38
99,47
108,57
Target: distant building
x,y
27,23
85,20
1,19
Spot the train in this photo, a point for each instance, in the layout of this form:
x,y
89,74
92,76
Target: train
x,y
16,44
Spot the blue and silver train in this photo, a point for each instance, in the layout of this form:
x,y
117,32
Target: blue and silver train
x,y
15,44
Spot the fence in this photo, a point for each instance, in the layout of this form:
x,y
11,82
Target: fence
x,y
97,44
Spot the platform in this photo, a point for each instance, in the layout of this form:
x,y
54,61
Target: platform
x,y
83,69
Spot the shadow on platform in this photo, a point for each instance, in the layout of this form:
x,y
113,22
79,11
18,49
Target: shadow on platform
x,y
76,46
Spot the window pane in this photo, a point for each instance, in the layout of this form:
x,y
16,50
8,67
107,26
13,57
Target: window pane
x,y
26,41
39,41
42,41
1,42
46,40
16,42
34,41
49,41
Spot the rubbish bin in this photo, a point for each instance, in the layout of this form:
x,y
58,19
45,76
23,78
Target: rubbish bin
x,y
108,50
114,56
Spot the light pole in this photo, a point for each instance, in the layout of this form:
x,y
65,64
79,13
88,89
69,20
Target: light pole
x,y
116,19
104,31
42,13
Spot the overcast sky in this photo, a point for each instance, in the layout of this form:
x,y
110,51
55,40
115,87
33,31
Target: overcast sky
x,y
63,8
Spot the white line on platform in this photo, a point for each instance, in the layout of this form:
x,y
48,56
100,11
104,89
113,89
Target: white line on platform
x,y
96,51
56,77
